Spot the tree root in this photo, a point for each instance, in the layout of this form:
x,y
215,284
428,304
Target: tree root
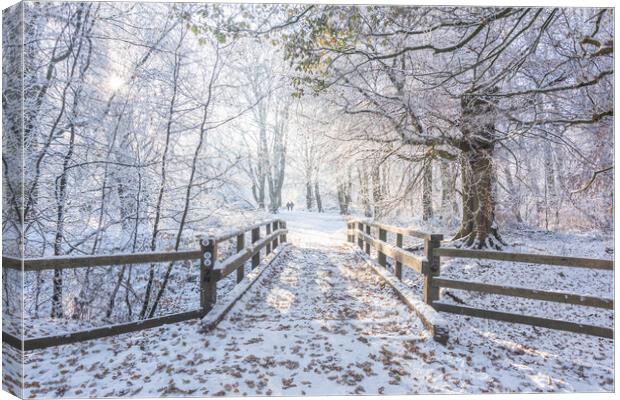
x,y
473,240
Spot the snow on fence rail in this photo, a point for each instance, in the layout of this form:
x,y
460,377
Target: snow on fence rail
x,y
211,270
429,266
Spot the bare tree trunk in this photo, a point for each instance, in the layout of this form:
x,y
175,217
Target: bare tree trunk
x,y
61,191
449,206
468,202
262,160
57,308
344,194
550,186
121,274
364,190
377,195
513,197
188,191
277,164
478,228
319,203
186,208
162,183
427,190
309,199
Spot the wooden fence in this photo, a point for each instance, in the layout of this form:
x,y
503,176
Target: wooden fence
x,y
429,266
212,269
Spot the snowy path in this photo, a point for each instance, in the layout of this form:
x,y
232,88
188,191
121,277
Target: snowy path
x,y
319,321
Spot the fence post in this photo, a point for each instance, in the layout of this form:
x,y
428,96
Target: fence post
x,y
398,268
274,228
240,247
381,256
283,236
255,238
208,281
431,292
360,241
368,244
267,233
348,232
351,232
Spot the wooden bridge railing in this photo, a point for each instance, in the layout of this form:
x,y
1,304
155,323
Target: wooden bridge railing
x,y
212,269
429,266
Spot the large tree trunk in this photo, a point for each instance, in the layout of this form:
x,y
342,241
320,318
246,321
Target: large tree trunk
x,y
478,228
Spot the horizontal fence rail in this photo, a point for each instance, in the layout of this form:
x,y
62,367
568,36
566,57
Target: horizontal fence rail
x,y
211,271
229,265
418,264
535,294
576,262
526,320
359,230
101,332
63,262
394,229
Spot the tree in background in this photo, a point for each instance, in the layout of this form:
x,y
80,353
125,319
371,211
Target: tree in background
x,y
460,82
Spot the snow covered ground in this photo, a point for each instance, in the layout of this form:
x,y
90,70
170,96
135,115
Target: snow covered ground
x,y
320,322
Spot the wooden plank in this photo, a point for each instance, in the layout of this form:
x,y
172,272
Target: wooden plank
x,y
526,320
367,243
218,312
381,255
237,232
283,236
396,229
267,234
59,262
360,228
275,227
577,262
398,268
559,297
208,275
431,244
255,238
233,263
98,333
230,264
240,247
56,262
260,244
12,262
412,261
430,318
350,232
12,340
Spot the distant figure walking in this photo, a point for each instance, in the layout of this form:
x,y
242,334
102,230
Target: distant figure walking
x,y
289,206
